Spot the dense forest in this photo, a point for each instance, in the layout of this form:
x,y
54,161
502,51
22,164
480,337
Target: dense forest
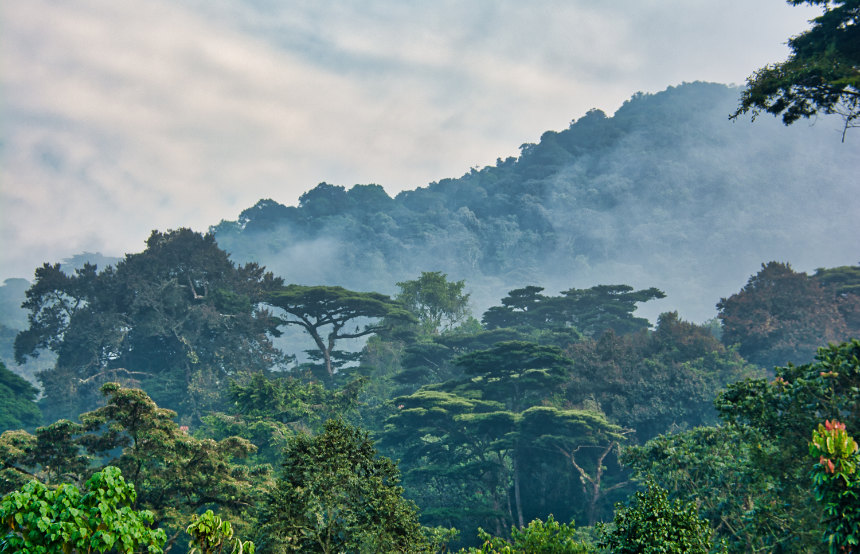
x,y
666,191
553,407
337,376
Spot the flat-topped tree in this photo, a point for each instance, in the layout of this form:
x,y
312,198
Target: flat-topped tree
x,y
324,312
603,307
522,307
515,372
590,311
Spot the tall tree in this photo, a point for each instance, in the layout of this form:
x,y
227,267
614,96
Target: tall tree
x,y
591,311
438,304
822,73
480,448
175,319
336,494
324,312
781,316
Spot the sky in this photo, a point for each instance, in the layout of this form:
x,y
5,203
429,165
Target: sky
x,y
120,117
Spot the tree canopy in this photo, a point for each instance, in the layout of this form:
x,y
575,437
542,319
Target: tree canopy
x,y
175,319
336,494
783,315
822,73
438,304
324,312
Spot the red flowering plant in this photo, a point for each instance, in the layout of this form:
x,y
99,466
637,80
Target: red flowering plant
x,y
836,484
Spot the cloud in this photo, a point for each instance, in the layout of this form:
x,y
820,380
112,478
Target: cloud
x,y
122,117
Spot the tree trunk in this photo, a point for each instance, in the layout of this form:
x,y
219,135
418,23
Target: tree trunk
x,y
517,500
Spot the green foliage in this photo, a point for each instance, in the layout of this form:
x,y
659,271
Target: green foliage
x,y
211,535
337,495
656,382
267,410
591,311
175,319
439,305
482,450
439,537
324,312
783,315
821,74
726,471
37,519
515,373
288,400
750,475
653,524
174,474
18,409
836,484
16,448
538,537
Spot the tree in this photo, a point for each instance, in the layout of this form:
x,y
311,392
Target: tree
x,y
602,307
583,439
267,410
174,474
768,502
822,73
38,519
655,382
452,467
653,524
780,316
175,319
514,372
538,537
336,494
725,470
438,304
18,408
525,306
482,450
326,311
590,311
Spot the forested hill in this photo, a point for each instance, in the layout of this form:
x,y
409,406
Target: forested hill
x,y
667,192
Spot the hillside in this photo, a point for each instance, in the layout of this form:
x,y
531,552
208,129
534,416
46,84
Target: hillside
x,y
667,192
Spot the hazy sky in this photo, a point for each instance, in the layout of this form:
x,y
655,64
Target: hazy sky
x,y
119,117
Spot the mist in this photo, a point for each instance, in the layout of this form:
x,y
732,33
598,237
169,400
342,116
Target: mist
x,y
668,192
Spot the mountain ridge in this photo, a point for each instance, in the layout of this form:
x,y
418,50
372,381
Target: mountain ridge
x,y
665,183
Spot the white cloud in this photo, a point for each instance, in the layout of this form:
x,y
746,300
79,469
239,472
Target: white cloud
x,y
119,117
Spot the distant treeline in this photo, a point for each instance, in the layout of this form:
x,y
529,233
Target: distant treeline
x,y
666,191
